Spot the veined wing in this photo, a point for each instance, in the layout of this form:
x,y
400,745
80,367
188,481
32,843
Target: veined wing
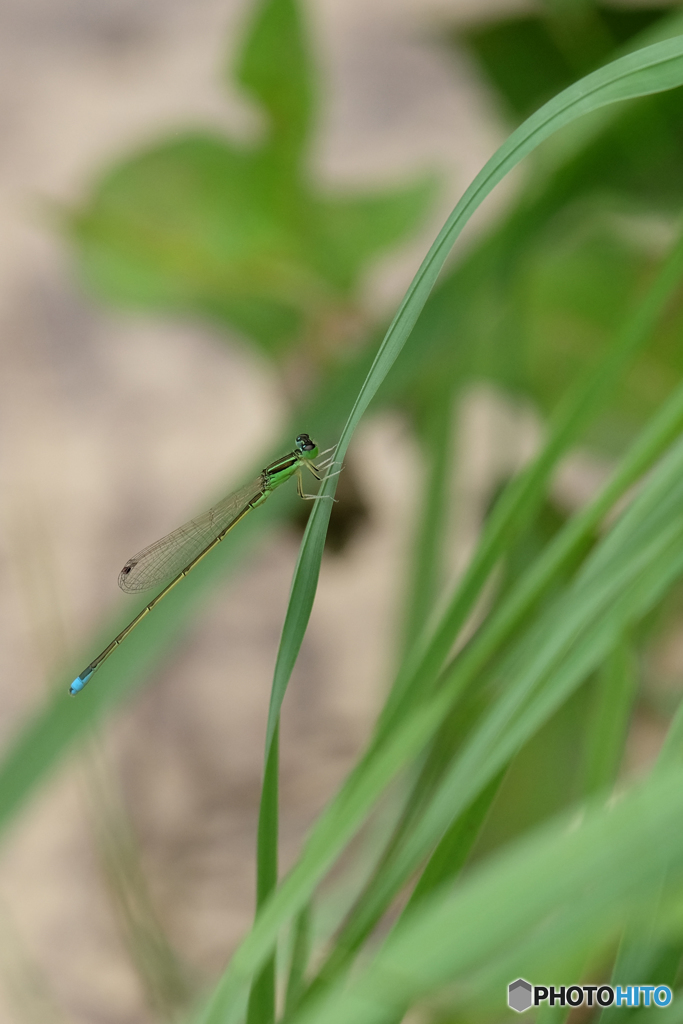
x,y
167,557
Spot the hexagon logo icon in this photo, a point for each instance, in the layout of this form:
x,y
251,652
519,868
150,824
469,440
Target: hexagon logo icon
x,y
519,995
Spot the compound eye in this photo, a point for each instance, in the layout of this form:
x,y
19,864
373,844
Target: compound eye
x,y
304,443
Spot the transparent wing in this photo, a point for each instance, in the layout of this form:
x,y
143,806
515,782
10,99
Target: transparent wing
x,y
167,557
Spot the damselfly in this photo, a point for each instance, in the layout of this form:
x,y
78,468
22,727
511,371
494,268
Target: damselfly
x,y
172,557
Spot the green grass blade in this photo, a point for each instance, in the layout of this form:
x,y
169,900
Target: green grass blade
x,y
434,429
300,953
448,859
607,726
304,586
672,750
523,495
452,852
583,880
261,1008
562,665
570,652
577,409
640,950
652,69
562,648
344,815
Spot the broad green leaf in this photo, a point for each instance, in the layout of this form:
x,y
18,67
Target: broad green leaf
x,y
199,225
275,66
235,233
355,229
196,225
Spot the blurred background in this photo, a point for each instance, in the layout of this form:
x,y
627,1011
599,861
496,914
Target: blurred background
x,y
162,331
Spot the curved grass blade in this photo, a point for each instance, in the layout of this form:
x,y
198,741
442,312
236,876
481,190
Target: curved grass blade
x,y
652,69
514,509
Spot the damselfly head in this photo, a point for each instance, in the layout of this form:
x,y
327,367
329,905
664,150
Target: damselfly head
x,y
304,445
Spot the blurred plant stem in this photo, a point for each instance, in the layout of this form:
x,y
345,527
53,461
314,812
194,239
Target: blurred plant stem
x,y
165,980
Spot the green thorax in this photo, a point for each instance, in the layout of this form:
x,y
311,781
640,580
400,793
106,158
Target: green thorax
x,y
277,472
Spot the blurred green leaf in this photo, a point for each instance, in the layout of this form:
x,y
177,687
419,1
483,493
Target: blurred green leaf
x,y
261,1007
607,723
357,228
529,58
520,59
541,779
521,499
237,233
275,67
199,225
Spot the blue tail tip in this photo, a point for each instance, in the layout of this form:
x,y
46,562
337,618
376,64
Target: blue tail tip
x,y
78,683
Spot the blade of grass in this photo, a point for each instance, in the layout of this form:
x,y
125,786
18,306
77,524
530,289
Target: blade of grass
x,y
261,1008
434,434
376,896
374,772
520,499
573,416
607,727
372,904
530,697
515,718
672,749
634,561
452,852
591,877
639,948
652,69
300,952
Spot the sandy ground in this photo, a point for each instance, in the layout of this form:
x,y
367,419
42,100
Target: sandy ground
x,y
92,444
